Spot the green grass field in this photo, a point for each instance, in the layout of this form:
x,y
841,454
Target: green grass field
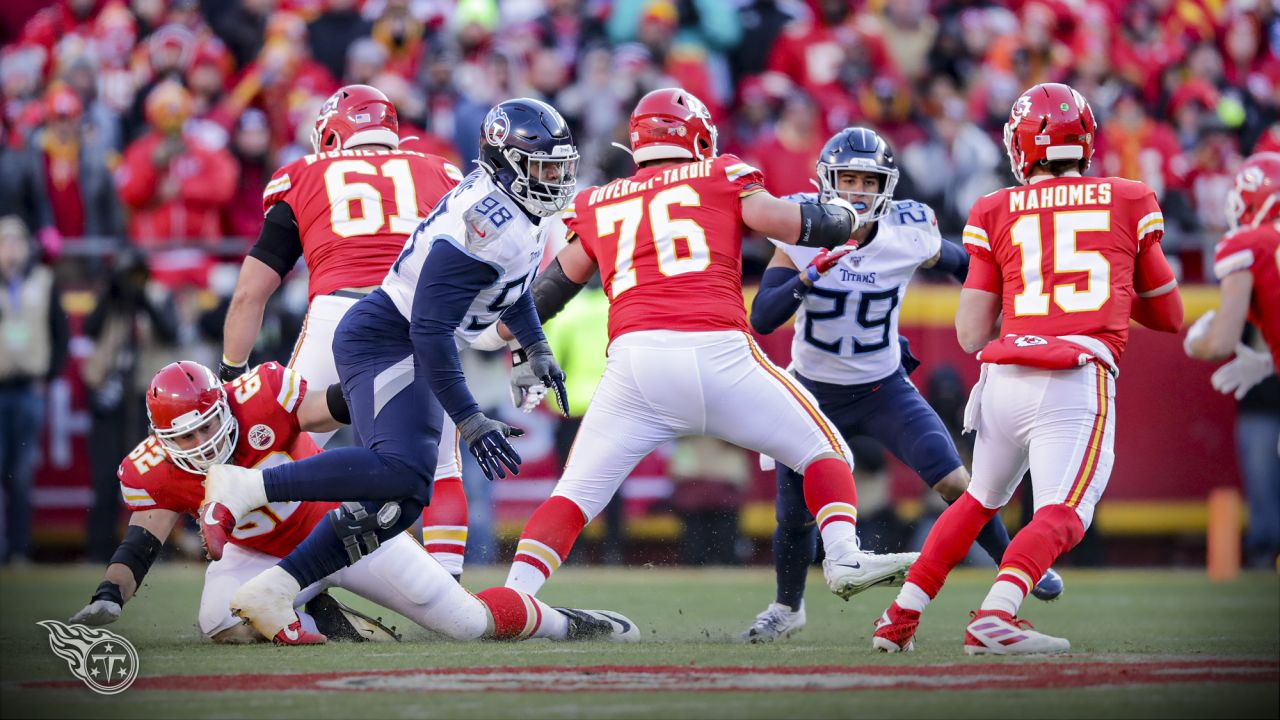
x,y
1146,645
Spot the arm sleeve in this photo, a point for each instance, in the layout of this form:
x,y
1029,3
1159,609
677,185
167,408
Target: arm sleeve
x,y
983,275
781,292
522,320
551,291
450,281
279,245
1162,312
954,260
59,333
1152,273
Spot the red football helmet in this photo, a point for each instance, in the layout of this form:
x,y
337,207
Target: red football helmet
x,y
1255,199
1051,121
186,398
356,115
671,124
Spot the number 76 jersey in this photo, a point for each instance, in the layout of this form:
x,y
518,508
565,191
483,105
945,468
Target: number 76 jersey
x,y
1064,252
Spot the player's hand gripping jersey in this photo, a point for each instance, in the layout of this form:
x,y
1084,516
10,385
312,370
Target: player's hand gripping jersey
x,y
265,403
1257,251
668,241
354,209
1062,255
847,325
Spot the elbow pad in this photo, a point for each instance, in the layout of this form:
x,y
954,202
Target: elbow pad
x,y
824,225
552,290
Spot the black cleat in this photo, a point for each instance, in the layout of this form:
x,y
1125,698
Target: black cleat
x,y
343,624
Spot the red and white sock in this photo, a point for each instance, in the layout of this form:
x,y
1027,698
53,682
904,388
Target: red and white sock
x,y
832,498
948,542
518,616
444,524
545,543
1053,530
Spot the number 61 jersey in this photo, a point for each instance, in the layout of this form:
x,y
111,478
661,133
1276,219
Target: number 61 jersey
x,y
486,224
847,326
264,402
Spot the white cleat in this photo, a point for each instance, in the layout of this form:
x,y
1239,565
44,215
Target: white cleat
x,y
849,571
994,632
266,602
605,625
240,490
777,622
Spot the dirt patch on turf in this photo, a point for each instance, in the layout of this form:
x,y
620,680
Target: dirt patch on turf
x,y
622,678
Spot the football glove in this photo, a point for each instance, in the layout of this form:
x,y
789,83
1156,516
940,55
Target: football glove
x,y
542,363
228,371
826,259
487,439
1248,368
1198,329
526,389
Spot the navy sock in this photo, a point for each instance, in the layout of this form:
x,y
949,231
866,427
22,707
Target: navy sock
x,y
318,555
793,552
337,475
994,538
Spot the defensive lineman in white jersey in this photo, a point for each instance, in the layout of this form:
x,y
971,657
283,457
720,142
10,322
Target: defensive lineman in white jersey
x,y
848,353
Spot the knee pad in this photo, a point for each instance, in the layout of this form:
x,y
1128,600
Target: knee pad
x,y
358,528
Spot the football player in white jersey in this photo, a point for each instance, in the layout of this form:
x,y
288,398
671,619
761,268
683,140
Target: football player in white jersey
x,y
847,351
467,265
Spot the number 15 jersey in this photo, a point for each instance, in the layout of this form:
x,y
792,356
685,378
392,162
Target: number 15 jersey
x,y
1064,250
668,241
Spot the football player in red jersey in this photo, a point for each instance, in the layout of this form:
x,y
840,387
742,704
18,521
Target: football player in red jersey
x,y
668,245
1058,266
262,419
347,210
1247,263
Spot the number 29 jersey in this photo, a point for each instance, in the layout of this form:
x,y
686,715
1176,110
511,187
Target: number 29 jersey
x,y
847,326
486,224
1065,250
355,208
668,241
264,402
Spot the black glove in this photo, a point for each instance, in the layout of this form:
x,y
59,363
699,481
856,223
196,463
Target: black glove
x,y
542,363
228,372
487,439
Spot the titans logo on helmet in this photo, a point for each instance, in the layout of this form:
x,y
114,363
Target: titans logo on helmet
x,y
496,127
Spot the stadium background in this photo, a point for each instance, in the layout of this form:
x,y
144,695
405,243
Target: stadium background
x,y
1183,90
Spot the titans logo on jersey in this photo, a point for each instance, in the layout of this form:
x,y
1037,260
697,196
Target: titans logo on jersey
x,y
847,326
486,224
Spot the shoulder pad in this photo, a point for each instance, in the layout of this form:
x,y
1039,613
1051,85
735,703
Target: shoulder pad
x,y
910,213
802,197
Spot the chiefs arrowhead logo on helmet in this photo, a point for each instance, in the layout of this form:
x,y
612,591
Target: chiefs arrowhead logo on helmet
x,y
190,416
355,115
1255,198
1049,122
672,124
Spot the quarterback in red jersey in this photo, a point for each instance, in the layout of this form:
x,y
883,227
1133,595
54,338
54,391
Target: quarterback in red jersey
x,y
1058,267
668,245
1247,263
261,419
347,210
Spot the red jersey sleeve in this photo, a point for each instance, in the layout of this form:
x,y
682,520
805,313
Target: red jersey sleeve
x,y
280,184
984,271
149,481
744,177
570,218
279,398
1149,225
1234,254
433,177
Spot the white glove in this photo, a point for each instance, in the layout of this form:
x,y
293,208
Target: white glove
x,y
1198,329
1248,368
489,340
841,202
98,612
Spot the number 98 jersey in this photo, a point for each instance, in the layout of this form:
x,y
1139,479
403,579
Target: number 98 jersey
x,y
847,326
486,224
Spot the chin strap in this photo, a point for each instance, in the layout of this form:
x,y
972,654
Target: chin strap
x,y
623,148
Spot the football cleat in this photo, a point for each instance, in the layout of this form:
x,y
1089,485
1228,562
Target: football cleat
x,y
896,630
849,571
216,526
777,622
266,602
996,632
1050,586
341,623
599,625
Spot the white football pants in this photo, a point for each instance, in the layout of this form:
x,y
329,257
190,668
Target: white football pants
x,y
659,385
313,359
1060,424
399,575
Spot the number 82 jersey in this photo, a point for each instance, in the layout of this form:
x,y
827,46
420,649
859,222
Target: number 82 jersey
x,y
847,326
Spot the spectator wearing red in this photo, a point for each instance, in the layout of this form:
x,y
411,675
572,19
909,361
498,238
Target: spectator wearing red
x,y
251,146
814,51
401,35
174,187
62,18
1143,48
1139,147
787,155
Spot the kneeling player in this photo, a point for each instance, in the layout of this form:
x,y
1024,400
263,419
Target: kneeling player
x,y
846,352
259,420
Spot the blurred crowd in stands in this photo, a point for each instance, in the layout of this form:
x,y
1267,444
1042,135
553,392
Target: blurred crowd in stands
x,y
136,135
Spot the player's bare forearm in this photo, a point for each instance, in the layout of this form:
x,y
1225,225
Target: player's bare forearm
x,y
316,412
157,522
1228,323
772,217
254,287
977,319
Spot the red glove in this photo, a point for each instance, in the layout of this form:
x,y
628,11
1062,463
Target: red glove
x,y
825,260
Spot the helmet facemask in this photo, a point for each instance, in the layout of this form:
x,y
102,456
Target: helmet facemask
x,y
869,207
544,184
214,450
